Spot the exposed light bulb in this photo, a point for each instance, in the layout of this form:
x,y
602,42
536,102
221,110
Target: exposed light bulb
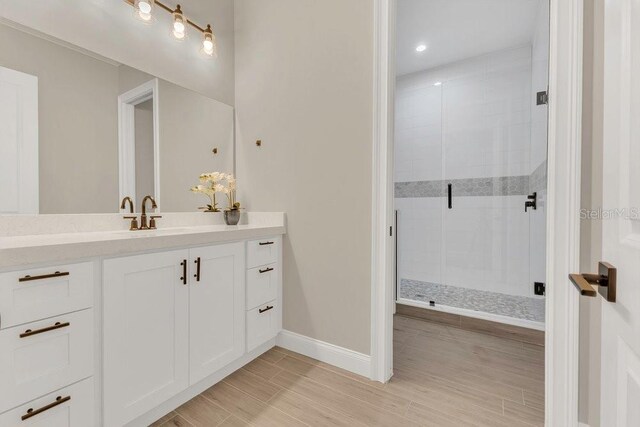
x,y
421,48
437,84
144,7
178,24
208,42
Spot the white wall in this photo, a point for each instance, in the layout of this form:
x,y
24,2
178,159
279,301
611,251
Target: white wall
x,y
476,124
304,83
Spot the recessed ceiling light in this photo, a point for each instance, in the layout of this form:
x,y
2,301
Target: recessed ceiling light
x,y
437,83
421,48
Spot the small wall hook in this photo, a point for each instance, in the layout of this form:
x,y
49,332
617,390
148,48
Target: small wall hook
x,y
259,143
215,150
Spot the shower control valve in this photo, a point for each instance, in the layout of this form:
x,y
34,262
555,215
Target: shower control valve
x,y
532,201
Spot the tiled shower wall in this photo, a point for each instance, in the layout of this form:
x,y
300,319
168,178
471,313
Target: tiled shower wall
x,y
476,131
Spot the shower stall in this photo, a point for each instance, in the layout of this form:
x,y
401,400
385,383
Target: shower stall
x,y
470,183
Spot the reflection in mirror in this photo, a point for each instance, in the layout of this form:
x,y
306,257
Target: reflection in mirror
x,y
144,154
62,151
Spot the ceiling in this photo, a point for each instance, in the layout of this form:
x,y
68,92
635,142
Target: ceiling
x,y
454,30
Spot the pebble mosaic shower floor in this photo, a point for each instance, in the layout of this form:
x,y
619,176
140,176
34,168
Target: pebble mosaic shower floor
x,y
520,307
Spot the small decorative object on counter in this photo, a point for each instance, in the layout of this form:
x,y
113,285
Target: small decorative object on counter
x,y
232,213
219,182
209,186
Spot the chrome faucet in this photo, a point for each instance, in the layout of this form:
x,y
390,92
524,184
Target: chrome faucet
x,y
143,216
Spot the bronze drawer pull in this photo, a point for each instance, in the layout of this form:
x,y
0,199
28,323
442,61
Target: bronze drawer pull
x,y
262,310
33,412
197,275
266,243
58,325
28,278
184,271
266,270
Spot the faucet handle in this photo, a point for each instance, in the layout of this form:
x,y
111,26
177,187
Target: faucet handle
x,y
152,222
134,222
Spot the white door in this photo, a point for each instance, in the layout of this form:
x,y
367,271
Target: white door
x,y
18,142
620,389
146,332
216,297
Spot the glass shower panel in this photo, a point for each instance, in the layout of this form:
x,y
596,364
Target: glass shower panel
x,y
486,140
419,186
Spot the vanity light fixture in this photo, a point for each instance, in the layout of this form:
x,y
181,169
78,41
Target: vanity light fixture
x,y
421,48
437,84
145,9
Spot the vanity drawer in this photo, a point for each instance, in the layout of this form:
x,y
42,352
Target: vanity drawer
x,y
29,295
71,406
262,324
262,252
262,285
43,356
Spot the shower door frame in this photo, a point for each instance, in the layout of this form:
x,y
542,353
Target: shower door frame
x,y
563,228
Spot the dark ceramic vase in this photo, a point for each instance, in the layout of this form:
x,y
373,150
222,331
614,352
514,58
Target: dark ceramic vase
x,y
232,216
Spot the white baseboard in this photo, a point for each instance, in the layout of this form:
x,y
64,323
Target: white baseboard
x,y
341,357
583,425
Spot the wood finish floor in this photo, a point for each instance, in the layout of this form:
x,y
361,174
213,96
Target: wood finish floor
x,y
443,376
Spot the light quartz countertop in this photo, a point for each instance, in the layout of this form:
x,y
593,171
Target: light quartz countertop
x,y
68,239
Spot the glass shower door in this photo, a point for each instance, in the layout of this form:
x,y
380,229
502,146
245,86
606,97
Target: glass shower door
x,y
486,132
419,192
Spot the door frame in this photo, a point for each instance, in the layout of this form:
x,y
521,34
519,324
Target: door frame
x,y
563,205
127,139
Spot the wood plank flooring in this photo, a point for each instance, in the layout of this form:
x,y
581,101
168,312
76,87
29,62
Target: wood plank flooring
x,y
443,376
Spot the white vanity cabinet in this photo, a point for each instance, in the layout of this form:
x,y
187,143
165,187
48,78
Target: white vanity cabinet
x,y
113,342
171,319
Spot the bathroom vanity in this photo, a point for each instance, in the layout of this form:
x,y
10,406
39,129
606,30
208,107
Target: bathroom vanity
x,y
114,327
100,325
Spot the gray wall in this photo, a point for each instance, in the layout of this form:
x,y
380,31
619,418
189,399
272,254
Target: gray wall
x,y
78,122
143,117
591,197
304,83
191,125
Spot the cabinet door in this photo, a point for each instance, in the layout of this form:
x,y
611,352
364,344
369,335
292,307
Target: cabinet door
x,y
146,326
217,300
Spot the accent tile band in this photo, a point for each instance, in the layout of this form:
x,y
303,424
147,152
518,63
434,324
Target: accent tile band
x,y
476,187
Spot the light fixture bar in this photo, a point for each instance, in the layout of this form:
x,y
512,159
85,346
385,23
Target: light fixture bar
x,y
168,9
